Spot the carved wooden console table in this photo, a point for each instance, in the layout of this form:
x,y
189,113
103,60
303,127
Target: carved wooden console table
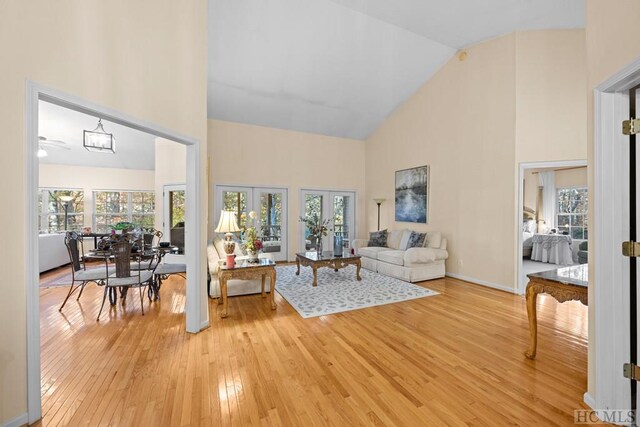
x,y
564,284
246,271
326,259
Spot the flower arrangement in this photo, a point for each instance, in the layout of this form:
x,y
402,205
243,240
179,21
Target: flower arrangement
x,y
317,228
252,243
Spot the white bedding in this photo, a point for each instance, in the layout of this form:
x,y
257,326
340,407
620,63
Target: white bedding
x,y
527,239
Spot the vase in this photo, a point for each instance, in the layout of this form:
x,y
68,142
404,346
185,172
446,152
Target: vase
x,y
337,245
252,256
319,246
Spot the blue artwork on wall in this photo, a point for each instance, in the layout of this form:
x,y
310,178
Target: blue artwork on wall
x,y
412,195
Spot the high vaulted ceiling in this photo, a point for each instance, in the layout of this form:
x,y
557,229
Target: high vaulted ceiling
x,y
340,67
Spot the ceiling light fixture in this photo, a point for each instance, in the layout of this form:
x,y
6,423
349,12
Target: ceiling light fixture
x,y
98,140
42,153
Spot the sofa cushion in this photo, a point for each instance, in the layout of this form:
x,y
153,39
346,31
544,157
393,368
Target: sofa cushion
x,y
433,240
420,255
392,256
372,251
393,239
416,240
378,238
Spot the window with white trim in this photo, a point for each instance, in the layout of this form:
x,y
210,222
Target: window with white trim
x,y
112,207
51,203
572,212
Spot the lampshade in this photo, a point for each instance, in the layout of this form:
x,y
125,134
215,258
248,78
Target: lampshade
x,y
228,223
98,140
65,199
379,201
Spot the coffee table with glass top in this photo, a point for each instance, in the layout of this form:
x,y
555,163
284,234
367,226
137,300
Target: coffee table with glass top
x,y
316,260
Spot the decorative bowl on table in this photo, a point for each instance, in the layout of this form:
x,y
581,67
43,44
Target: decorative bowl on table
x,y
164,244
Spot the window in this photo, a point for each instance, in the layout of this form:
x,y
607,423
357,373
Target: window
x,y
112,207
52,210
572,212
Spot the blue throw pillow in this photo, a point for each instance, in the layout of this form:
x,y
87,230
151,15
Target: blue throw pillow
x,y
378,239
416,240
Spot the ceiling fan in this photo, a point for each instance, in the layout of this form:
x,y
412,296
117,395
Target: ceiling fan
x,y
50,144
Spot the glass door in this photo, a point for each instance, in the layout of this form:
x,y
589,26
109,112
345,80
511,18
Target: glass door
x,y
339,206
270,206
174,200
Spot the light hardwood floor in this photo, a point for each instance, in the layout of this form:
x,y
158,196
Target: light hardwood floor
x,y
453,359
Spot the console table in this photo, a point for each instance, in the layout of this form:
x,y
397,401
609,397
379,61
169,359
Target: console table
x,y
245,270
564,284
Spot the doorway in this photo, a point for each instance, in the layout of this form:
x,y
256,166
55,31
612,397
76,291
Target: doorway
x,y
338,206
196,315
270,207
174,207
540,213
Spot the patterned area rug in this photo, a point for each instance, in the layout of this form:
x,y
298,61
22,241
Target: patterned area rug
x,y
340,291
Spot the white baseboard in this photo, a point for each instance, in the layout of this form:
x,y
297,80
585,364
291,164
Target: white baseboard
x,y
204,325
20,420
483,283
589,400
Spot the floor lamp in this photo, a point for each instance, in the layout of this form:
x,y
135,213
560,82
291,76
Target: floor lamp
x,y
65,202
379,202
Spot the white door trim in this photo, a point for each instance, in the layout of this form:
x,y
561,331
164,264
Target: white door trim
x,y
520,211
196,318
609,281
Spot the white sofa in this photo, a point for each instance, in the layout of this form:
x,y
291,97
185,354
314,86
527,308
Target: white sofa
x,y
52,251
216,256
410,265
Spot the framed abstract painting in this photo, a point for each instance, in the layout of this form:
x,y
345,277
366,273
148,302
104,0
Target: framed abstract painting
x,y
412,195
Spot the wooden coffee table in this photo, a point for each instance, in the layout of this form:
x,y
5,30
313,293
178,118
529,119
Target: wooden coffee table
x,y
326,259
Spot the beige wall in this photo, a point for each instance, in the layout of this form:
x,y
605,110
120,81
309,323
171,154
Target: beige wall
x,y
571,178
144,58
171,161
517,98
462,124
550,98
254,155
91,179
610,27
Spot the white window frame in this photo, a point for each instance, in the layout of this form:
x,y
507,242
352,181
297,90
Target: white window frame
x,y
129,214
585,214
43,214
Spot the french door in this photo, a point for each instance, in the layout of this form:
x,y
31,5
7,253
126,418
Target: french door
x,y
174,204
270,206
339,206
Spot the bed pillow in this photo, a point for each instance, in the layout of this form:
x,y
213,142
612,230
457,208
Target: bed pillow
x,y
378,239
416,240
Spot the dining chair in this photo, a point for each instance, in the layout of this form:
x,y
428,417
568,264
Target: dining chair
x,y
152,238
120,275
79,273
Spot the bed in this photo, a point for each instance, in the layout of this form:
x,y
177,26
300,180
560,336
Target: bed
x,y
528,230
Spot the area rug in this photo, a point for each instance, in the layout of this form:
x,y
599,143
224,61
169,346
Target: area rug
x,y
339,291
64,280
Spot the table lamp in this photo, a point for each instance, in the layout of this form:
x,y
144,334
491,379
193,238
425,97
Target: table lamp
x,y
228,225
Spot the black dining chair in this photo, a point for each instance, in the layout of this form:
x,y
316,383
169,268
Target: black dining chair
x,y
80,276
121,276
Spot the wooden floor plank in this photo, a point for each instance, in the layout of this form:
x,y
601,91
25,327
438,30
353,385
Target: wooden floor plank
x,y
453,359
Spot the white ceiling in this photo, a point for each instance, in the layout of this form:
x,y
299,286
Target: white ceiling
x,y
340,67
134,149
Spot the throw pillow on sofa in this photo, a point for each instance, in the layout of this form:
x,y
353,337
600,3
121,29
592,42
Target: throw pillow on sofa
x,y
393,238
416,240
378,239
433,240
